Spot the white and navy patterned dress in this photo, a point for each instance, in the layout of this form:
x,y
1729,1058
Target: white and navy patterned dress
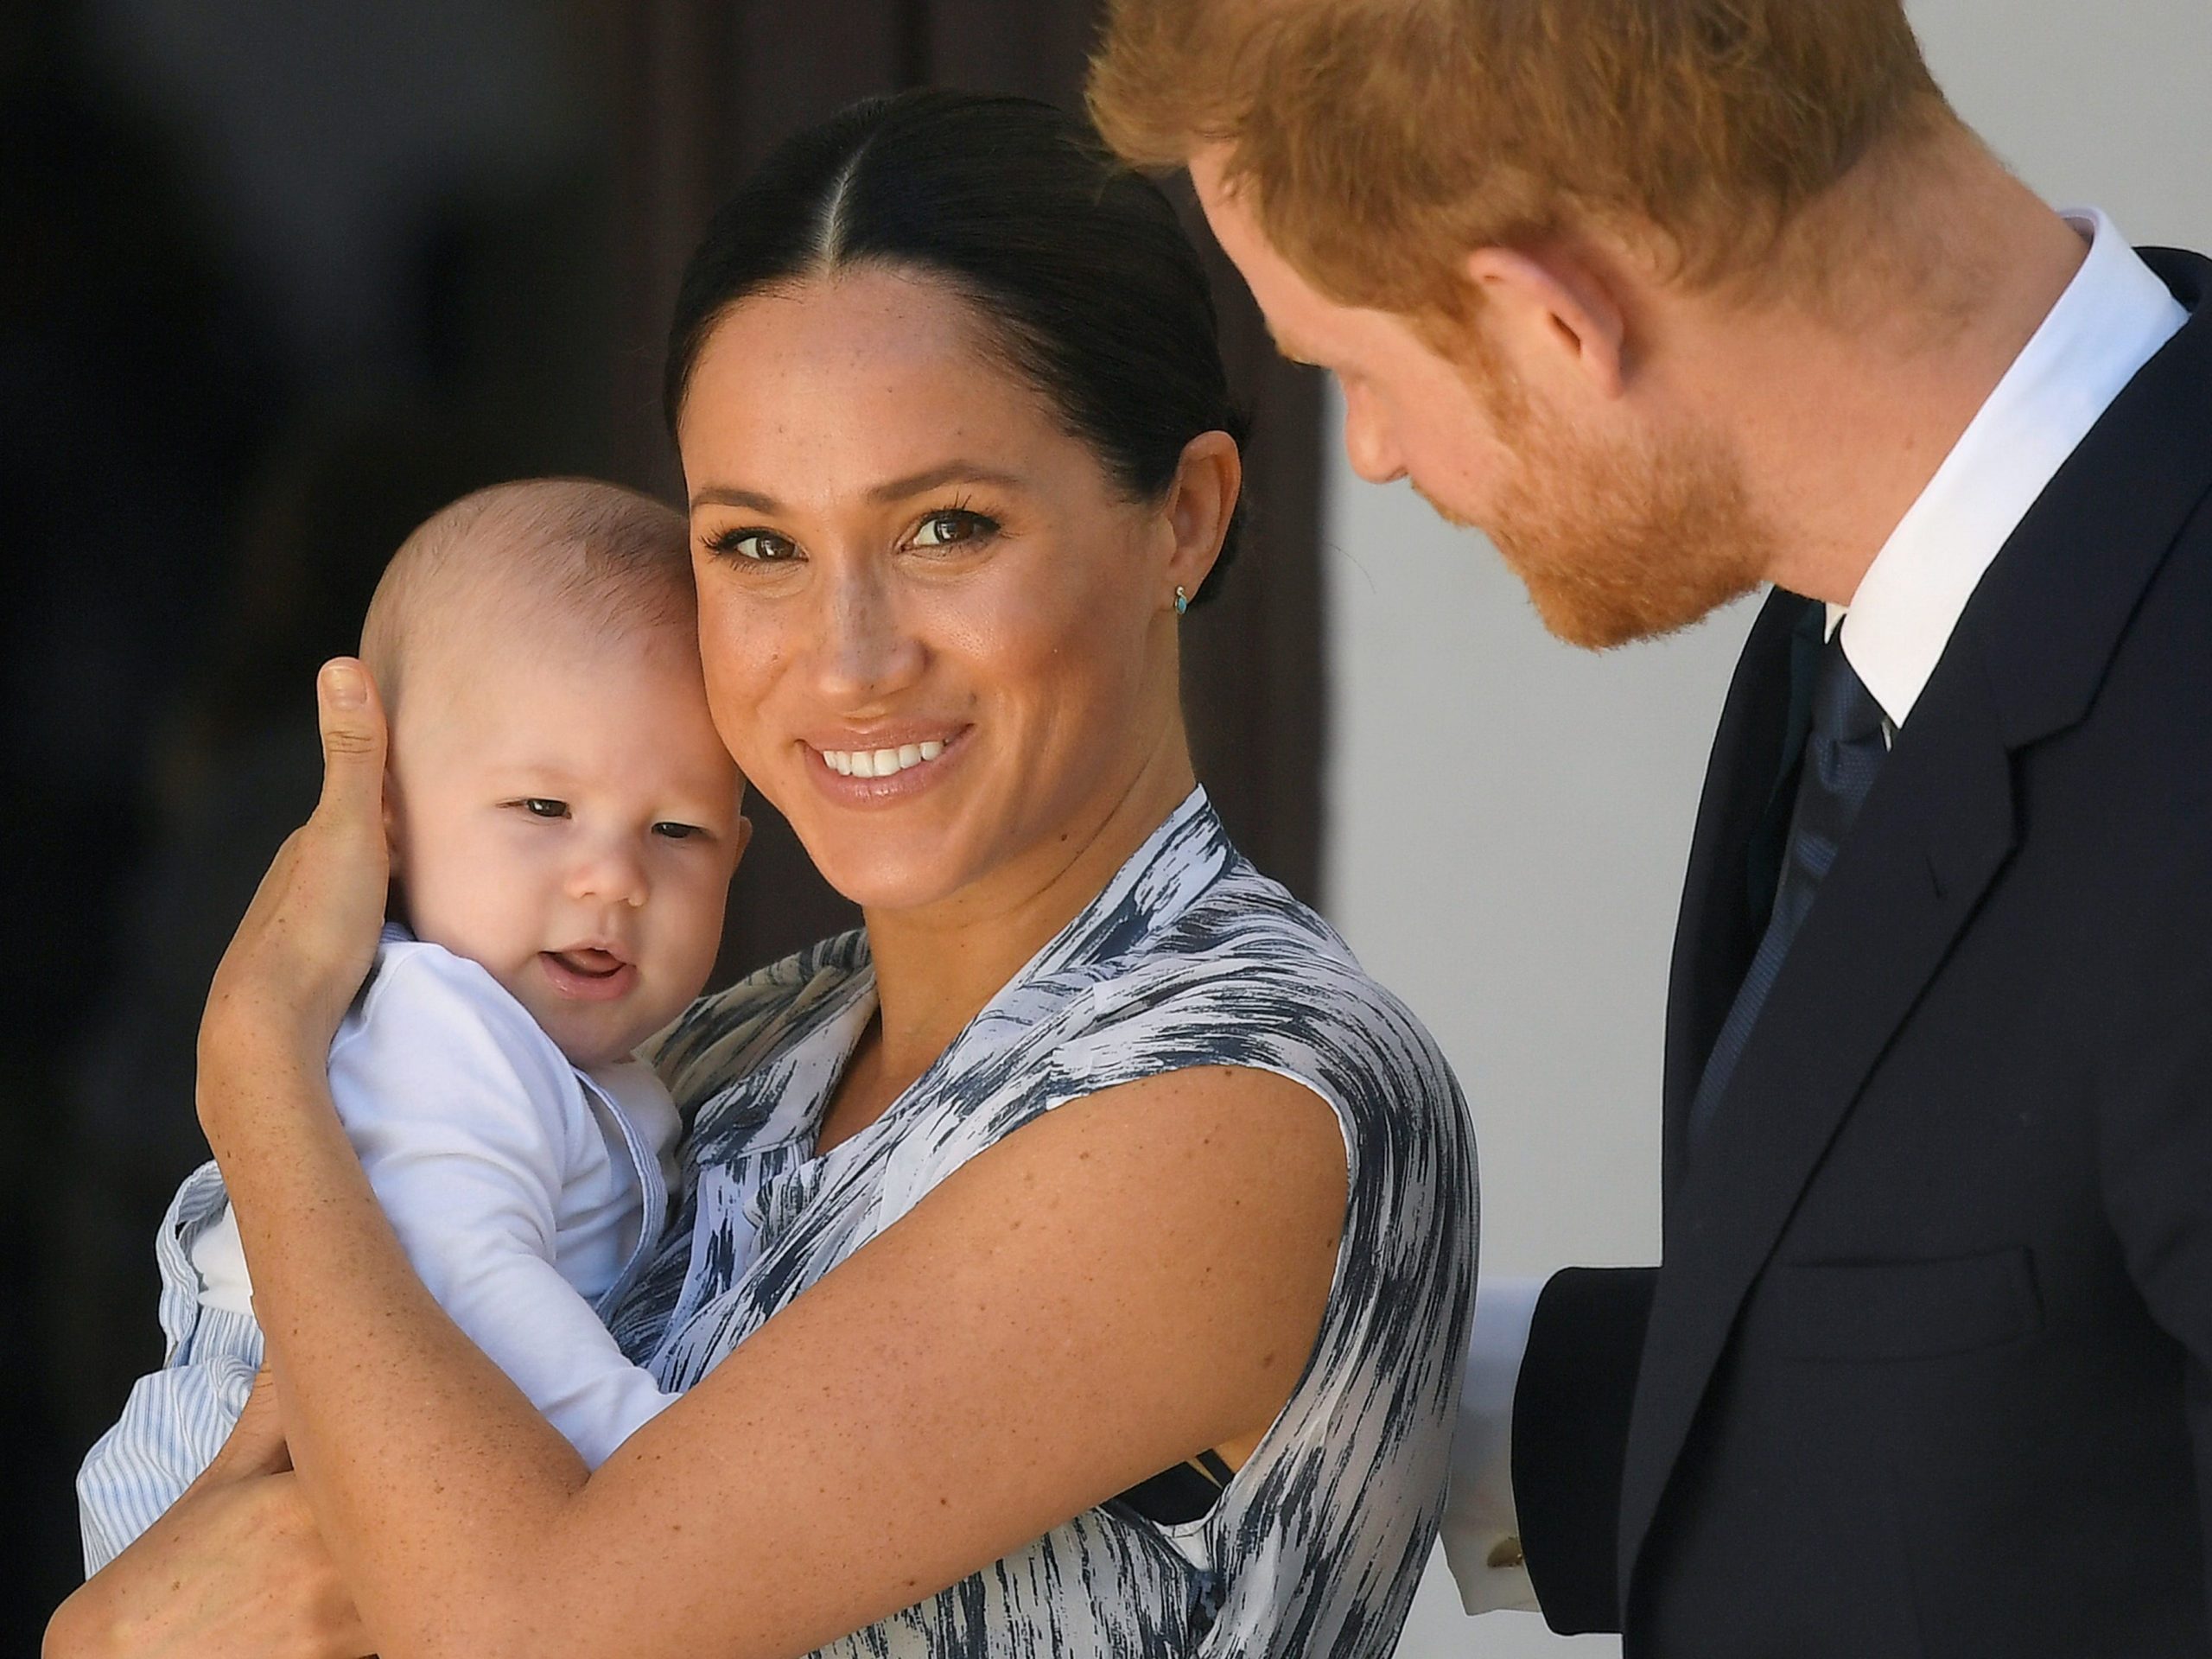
x,y
1189,957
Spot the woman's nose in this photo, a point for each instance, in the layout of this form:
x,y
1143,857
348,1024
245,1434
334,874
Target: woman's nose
x,y
866,651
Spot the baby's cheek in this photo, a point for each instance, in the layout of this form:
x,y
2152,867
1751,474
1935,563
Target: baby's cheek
x,y
468,919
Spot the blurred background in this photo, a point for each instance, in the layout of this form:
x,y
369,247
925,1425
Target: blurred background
x,y
275,281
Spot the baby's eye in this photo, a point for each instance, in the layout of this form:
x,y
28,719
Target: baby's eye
x,y
759,546
539,807
677,831
953,525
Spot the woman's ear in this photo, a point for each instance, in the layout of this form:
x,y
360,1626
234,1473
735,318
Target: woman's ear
x,y
1552,311
1201,503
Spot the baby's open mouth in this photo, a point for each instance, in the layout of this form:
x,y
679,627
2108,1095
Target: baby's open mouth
x,y
585,973
591,963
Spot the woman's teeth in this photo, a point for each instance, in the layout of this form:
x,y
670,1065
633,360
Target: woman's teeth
x,y
879,763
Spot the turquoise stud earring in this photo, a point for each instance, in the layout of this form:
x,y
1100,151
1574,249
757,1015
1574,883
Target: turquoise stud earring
x,y
1182,601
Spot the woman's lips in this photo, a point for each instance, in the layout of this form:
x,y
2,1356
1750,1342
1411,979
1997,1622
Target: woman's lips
x,y
861,776
588,975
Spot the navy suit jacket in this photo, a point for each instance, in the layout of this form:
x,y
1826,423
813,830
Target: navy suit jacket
x,y
1928,1368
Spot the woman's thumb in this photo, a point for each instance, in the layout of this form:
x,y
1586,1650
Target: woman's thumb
x,y
352,741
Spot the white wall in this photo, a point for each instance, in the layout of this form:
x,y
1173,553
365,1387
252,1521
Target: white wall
x,y
1507,818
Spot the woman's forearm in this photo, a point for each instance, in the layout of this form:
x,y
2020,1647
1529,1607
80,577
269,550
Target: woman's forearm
x,y
805,1487
397,1423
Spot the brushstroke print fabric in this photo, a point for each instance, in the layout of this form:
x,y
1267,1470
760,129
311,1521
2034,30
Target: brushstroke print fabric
x,y
1188,958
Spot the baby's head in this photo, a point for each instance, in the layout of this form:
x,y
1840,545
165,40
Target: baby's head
x,y
561,811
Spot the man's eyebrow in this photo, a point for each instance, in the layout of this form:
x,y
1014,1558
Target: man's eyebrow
x,y
884,494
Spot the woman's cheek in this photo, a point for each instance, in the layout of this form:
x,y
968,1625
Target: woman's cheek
x,y
1042,625
742,669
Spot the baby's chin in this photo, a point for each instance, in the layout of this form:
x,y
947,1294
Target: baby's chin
x,y
602,1037
587,1050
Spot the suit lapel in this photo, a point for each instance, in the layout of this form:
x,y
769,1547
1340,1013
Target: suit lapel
x,y
2024,663
1718,926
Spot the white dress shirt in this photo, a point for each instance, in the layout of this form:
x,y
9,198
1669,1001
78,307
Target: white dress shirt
x,y
2113,319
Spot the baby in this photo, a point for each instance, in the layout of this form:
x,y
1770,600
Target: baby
x,y
564,824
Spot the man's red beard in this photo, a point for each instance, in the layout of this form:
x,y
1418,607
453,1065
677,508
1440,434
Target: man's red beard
x,y
1623,543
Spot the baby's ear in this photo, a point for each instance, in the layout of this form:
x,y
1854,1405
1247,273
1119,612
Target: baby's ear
x,y
392,819
395,904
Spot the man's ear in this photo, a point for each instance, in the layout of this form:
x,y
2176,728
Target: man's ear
x,y
1551,299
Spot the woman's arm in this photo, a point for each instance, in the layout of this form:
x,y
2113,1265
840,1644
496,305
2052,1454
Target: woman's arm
x,y
235,1568
1137,1276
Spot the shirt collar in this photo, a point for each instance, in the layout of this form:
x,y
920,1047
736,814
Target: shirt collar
x,y
2111,320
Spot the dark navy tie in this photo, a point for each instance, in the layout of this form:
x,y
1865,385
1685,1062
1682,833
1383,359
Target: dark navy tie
x,y
1843,751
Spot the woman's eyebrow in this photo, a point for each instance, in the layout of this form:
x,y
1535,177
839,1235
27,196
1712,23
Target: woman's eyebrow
x,y
724,496
952,471
897,489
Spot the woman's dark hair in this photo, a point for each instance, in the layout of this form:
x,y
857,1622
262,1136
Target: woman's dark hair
x,y
1076,265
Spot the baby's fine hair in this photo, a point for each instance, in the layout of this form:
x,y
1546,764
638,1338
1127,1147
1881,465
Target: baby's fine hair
x,y
534,552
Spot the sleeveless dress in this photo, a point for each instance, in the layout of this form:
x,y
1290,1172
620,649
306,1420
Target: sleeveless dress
x,y
1189,957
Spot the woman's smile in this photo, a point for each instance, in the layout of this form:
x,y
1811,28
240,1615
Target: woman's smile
x,y
885,768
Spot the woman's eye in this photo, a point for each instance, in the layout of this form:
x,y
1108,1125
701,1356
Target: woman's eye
x,y
539,807
757,546
952,526
677,831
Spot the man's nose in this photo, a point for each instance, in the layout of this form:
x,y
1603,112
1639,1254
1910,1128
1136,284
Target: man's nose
x,y
1369,443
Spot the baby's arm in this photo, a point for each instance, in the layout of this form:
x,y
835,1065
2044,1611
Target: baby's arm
x,y
452,1111
469,1125
175,1420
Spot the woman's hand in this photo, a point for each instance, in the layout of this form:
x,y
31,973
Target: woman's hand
x,y
236,1569
310,934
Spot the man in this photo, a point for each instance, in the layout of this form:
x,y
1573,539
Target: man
x,y
1674,298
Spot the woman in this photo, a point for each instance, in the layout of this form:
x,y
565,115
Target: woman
x,y
1094,1156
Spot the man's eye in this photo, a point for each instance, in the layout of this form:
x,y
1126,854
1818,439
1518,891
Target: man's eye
x,y
540,807
757,546
677,831
952,526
